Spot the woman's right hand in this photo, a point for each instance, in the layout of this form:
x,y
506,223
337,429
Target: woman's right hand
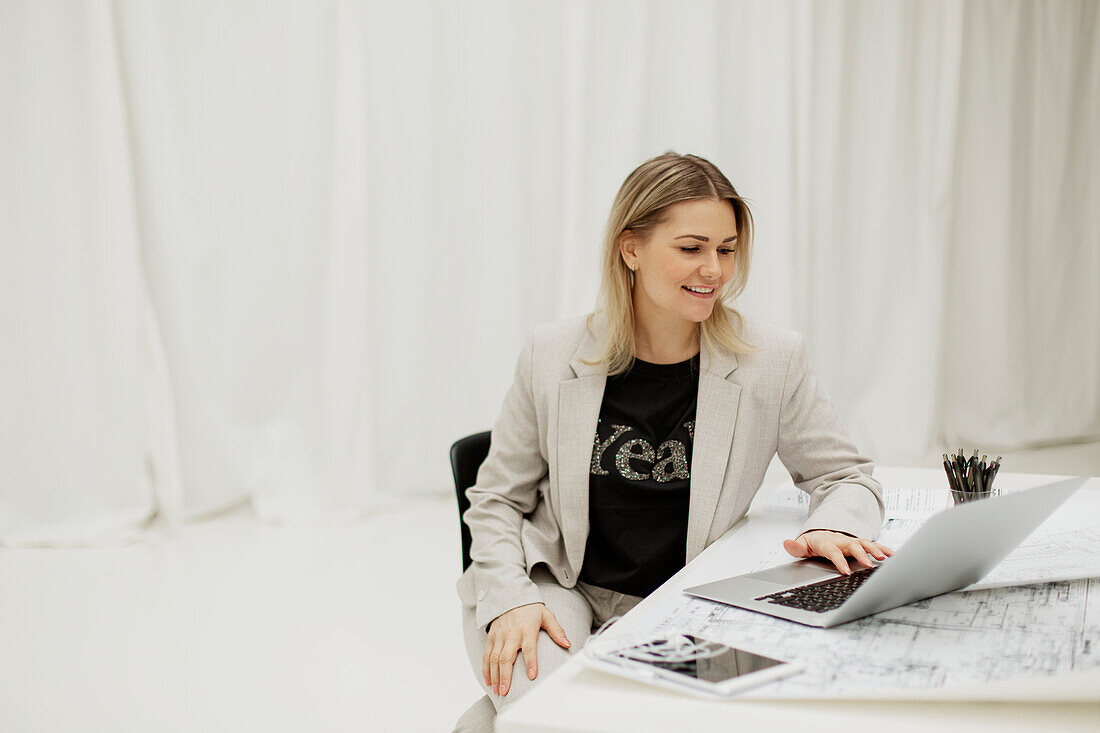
x,y
512,632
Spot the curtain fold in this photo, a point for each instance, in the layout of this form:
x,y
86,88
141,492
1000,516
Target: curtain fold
x,y
1023,354
872,212
286,254
72,445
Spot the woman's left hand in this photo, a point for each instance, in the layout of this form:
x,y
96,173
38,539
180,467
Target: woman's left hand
x,y
834,546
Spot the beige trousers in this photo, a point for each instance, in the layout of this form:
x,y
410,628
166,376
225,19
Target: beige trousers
x,y
580,610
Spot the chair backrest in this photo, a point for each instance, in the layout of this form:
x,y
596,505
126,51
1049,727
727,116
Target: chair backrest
x,y
467,455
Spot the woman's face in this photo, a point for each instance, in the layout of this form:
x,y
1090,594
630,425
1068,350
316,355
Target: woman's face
x,y
682,265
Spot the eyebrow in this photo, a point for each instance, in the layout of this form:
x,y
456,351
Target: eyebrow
x,y
705,239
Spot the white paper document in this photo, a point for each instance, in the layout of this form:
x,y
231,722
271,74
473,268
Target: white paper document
x,y
949,641
952,642
901,502
1065,555
1047,555
1066,547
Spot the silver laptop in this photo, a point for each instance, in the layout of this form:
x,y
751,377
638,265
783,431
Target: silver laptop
x,y
952,550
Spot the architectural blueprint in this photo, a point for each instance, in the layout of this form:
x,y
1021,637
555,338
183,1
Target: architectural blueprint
x,y
900,503
952,640
1071,553
1066,547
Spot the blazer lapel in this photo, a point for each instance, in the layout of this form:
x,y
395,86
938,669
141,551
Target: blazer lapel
x,y
715,418
578,410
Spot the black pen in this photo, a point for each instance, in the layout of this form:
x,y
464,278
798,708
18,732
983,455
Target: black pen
x,y
972,473
960,469
966,480
960,478
983,483
952,482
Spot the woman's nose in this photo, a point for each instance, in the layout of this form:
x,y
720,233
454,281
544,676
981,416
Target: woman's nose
x,y
710,266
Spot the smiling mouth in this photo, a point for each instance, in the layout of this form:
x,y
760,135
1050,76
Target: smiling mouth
x,y
699,291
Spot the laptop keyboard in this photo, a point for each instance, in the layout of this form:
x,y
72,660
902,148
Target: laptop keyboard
x,y
822,596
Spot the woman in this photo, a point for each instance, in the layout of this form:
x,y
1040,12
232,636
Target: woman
x,y
635,437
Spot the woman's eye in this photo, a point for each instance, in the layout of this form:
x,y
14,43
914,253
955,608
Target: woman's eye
x,y
725,251
689,249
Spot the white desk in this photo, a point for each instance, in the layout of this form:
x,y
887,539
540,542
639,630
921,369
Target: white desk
x,y
576,698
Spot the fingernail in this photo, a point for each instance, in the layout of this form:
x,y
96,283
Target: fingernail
x,y
531,673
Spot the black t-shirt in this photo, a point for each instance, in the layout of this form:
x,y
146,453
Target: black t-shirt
x,y
639,476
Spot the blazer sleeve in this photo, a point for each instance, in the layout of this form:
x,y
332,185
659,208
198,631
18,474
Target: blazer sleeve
x,y
506,490
822,459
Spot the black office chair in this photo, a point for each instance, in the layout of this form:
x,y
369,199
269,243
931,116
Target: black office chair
x,y
467,455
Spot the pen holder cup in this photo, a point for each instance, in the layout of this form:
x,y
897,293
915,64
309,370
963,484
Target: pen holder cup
x,y
961,497
969,479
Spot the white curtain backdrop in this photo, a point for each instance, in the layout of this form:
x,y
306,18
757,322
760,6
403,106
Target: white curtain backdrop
x,y
286,252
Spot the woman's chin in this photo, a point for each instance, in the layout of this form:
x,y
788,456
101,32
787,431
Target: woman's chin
x,y
698,315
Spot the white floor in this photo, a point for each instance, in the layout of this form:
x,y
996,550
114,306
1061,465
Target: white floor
x,y
239,626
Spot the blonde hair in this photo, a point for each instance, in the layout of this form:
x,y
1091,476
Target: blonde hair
x,y
642,205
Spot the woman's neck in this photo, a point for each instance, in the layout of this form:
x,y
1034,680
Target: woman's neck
x,y
666,345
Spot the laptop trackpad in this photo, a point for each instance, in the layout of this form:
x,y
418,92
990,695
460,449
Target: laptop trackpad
x,y
796,573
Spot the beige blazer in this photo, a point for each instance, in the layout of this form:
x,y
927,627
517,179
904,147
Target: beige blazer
x,y
530,502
